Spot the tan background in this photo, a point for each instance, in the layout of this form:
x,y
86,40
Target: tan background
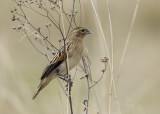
x,y
139,82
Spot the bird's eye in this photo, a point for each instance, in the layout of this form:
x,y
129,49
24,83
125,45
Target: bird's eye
x,y
83,30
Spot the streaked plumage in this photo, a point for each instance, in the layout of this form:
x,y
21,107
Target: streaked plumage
x,y
74,50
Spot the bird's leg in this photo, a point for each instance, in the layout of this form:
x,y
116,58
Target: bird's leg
x,y
69,80
65,78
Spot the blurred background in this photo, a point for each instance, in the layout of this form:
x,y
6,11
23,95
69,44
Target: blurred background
x,y
139,79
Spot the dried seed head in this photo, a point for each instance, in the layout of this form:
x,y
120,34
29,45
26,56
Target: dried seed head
x,y
13,17
38,29
19,4
12,11
35,32
53,52
31,1
48,24
47,48
105,59
52,7
15,9
46,37
14,28
23,23
19,27
53,1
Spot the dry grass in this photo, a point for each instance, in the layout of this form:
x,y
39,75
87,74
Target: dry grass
x,y
137,63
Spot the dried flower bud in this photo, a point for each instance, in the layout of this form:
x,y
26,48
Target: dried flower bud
x,y
19,27
35,32
105,59
38,29
46,37
47,48
23,23
13,18
19,4
53,52
15,9
48,24
39,6
12,11
75,11
20,1
60,40
52,7
14,28
53,1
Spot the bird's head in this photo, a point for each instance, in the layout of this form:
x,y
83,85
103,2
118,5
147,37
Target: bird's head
x,y
79,33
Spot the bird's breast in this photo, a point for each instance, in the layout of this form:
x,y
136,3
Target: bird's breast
x,y
74,56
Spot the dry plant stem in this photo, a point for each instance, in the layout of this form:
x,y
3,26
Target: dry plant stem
x,y
48,14
75,99
36,47
111,32
103,71
96,82
25,17
88,94
69,83
128,38
26,35
61,6
80,12
103,36
86,72
61,101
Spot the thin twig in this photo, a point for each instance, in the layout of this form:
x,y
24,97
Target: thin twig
x,y
128,39
66,60
105,61
103,36
111,84
86,72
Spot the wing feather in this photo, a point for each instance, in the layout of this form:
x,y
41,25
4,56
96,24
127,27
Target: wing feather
x,y
53,65
57,60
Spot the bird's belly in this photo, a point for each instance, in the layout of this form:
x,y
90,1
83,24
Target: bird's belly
x,y
72,62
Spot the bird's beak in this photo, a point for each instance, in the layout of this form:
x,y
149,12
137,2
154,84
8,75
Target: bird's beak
x,y
88,32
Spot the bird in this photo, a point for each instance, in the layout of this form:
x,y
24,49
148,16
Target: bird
x,y
57,66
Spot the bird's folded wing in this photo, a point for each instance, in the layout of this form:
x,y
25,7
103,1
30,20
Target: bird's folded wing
x,y
57,60
53,64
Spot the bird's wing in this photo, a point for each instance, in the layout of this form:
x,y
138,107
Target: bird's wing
x,y
56,61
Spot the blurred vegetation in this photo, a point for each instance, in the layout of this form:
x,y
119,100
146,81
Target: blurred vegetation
x,y
138,86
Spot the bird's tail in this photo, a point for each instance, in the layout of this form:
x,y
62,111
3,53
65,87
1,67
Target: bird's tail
x,y
42,84
38,90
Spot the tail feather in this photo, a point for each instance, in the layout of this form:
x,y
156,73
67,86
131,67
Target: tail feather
x,y
38,90
42,84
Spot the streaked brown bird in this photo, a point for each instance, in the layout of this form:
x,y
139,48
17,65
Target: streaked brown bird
x,y
57,67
